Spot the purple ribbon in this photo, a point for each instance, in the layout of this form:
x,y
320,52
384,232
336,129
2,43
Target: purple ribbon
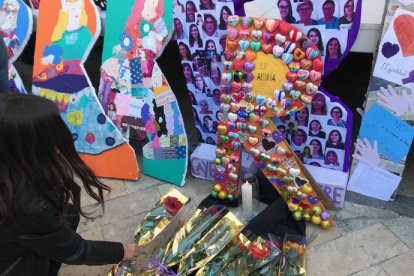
x,y
160,268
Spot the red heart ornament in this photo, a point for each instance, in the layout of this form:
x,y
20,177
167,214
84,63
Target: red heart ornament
x,y
291,76
238,96
317,64
236,86
284,27
404,30
238,65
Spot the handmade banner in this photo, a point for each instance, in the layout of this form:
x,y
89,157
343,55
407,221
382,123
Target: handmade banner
x,y
133,91
395,57
16,24
200,28
333,25
271,69
66,32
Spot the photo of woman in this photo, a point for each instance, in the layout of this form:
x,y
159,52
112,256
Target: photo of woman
x,y
315,36
302,117
349,13
207,123
333,48
190,11
179,29
335,140
319,105
204,107
224,15
331,158
216,97
178,7
211,46
315,129
298,140
336,114
207,5
305,10
188,74
210,25
285,10
195,58
195,116
306,153
184,51
317,151
195,40
200,84
329,20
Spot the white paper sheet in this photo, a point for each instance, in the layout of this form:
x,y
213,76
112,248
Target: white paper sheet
x,y
373,182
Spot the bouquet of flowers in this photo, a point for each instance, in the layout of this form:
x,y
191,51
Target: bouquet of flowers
x,y
210,244
230,254
188,235
294,254
152,225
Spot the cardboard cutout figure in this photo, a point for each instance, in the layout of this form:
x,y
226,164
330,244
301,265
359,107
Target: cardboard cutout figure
x,y
66,32
271,69
16,23
133,90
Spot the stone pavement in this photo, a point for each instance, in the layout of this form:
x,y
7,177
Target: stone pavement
x,y
366,240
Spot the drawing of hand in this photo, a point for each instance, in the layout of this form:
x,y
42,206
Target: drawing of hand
x,y
365,153
397,103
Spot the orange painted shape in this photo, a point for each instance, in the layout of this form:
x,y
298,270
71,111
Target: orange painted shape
x,y
119,162
404,30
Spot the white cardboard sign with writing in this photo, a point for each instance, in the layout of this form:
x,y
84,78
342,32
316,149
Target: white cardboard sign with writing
x,y
395,60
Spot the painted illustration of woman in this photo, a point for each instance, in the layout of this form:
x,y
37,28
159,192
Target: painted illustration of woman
x,y
65,82
8,24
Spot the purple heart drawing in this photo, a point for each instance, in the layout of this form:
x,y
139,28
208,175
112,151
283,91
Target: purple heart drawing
x,y
278,136
220,177
389,50
313,200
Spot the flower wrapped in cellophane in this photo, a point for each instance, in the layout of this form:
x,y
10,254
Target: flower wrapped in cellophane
x,y
153,224
294,254
233,251
210,244
188,235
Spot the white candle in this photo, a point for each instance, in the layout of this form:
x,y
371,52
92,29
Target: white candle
x,y
247,200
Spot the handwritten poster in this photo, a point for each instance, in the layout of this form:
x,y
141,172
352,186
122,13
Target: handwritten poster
x,y
394,136
395,61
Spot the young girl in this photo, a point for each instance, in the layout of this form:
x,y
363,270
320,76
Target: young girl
x,y
37,222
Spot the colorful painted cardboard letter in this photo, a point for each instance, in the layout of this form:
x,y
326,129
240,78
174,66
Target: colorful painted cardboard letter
x,y
133,90
271,69
66,32
16,24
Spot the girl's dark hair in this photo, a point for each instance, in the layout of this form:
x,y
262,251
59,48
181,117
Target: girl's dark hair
x,y
320,42
338,52
289,18
315,121
320,152
207,42
329,141
38,159
186,14
191,40
186,47
195,115
223,24
307,116
336,107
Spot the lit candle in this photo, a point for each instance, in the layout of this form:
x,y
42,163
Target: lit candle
x,y
247,200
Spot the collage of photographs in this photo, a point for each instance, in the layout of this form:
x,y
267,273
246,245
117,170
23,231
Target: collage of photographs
x,y
318,134
325,22
200,27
